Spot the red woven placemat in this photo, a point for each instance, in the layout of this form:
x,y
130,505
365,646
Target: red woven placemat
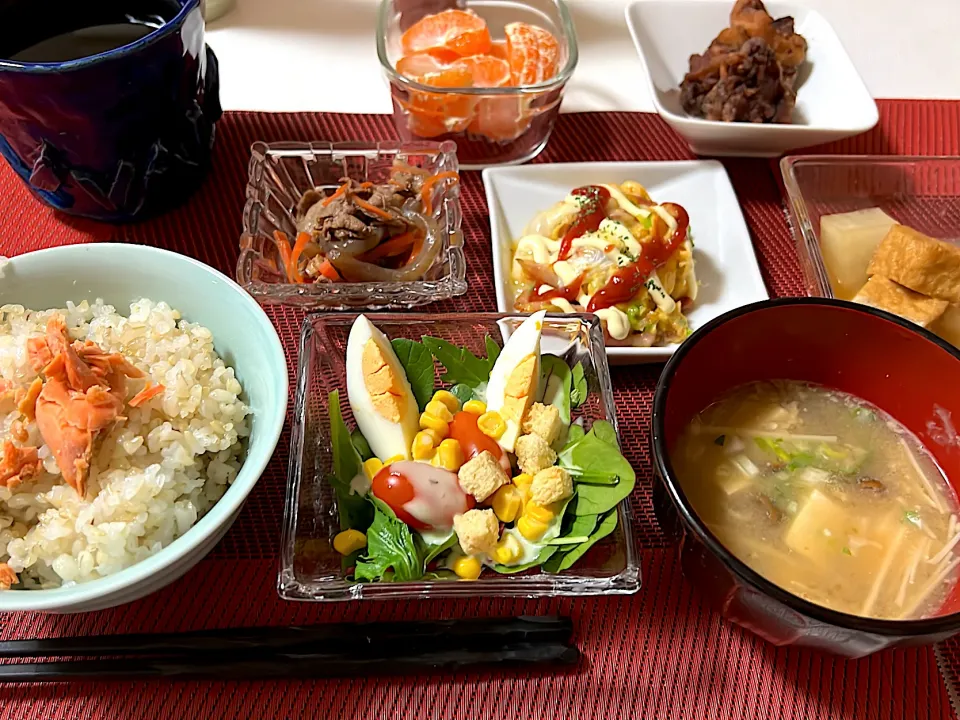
x,y
661,653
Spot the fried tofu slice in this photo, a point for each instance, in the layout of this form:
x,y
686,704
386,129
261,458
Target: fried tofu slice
x,y
879,292
918,262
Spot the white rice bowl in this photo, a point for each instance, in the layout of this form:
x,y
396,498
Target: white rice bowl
x,y
152,474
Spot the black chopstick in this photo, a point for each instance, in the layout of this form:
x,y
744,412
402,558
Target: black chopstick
x,y
378,638
510,656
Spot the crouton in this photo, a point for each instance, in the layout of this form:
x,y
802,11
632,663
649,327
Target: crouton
x,y
534,454
477,531
551,485
543,420
879,292
482,476
921,263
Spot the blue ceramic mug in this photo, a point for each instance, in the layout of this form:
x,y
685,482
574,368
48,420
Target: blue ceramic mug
x,y
118,135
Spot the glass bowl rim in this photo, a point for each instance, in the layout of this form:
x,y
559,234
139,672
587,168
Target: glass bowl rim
x,y
558,81
748,577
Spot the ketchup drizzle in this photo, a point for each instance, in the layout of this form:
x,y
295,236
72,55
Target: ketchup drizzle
x,y
592,213
627,281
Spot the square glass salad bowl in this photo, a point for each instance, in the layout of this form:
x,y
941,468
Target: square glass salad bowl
x,y
310,567
920,192
280,174
496,124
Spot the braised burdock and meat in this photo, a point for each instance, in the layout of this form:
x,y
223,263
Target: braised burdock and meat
x,y
748,73
365,231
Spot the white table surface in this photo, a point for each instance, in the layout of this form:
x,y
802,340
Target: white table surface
x,y
319,55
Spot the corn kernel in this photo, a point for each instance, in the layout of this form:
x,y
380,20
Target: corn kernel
x,y
394,458
423,446
539,513
507,550
448,399
492,425
349,541
507,503
450,455
434,435
467,568
530,528
523,481
475,407
439,410
432,422
371,467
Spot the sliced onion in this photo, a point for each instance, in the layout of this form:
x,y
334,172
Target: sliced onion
x,y
540,273
354,270
548,221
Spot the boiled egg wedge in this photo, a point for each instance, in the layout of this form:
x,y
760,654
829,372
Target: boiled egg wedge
x,y
514,378
380,395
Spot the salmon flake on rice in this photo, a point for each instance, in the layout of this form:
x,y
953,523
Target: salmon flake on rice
x,y
158,468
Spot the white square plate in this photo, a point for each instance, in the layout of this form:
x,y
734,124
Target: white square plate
x,y
832,100
726,264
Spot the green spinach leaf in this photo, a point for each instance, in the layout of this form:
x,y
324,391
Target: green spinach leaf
x,y
361,444
555,385
418,365
493,350
354,510
606,525
462,366
429,551
593,458
578,391
463,393
390,546
575,433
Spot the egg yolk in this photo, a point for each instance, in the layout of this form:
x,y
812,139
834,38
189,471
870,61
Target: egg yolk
x,y
382,382
516,394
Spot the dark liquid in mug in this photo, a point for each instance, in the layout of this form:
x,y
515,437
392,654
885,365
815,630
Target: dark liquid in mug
x,y
51,32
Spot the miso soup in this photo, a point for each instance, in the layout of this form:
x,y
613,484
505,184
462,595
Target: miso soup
x,y
824,495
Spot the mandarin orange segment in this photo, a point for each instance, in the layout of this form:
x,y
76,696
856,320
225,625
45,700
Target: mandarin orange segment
x,y
486,70
462,32
498,49
433,114
533,53
500,119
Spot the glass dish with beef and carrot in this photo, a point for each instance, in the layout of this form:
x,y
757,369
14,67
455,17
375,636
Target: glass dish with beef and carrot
x,y
365,227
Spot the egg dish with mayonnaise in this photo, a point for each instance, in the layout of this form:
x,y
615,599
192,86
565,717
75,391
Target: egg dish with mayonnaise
x,y
610,250
488,470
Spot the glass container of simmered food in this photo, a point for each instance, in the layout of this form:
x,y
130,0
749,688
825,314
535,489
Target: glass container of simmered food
x,y
398,501
352,225
882,231
487,74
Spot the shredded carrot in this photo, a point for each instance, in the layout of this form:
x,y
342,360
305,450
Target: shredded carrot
x,y
339,191
426,190
393,246
366,185
328,271
372,209
283,245
146,395
293,269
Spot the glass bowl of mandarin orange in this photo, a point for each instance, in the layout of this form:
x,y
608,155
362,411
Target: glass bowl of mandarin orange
x,y
487,74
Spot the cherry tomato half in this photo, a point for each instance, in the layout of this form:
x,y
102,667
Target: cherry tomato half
x,y
472,441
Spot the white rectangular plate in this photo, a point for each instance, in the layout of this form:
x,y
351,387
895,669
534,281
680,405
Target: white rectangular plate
x,y
832,100
726,264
